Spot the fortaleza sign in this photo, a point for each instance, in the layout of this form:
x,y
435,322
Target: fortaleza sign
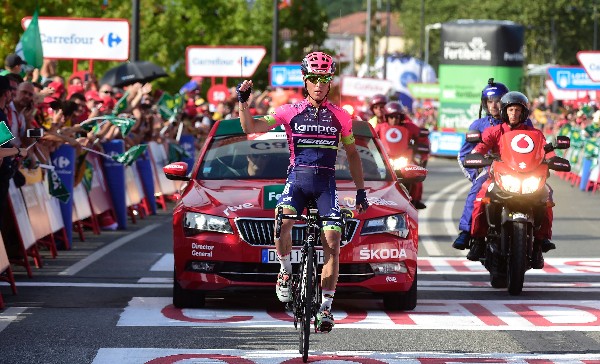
x,y
83,38
227,61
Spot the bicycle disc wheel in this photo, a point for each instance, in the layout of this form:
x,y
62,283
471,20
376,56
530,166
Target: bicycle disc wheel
x,y
307,303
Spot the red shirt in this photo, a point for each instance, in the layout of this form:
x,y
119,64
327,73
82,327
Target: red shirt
x,y
396,138
490,140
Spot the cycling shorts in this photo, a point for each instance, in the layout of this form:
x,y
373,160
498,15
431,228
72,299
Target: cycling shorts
x,y
306,183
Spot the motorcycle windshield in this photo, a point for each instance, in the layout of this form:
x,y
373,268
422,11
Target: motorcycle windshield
x,y
522,150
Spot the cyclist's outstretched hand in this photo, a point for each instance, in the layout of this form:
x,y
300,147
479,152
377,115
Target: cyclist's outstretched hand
x,y
361,200
243,90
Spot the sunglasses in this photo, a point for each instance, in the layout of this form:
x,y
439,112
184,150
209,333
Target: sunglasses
x,y
394,116
106,92
319,78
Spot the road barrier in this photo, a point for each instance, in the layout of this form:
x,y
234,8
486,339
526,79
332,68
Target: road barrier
x,y
43,221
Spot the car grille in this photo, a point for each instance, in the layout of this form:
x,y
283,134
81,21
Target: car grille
x,y
259,232
266,273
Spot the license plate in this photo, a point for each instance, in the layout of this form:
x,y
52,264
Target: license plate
x,y
270,256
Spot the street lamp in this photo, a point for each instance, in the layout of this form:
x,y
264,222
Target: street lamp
x,y
428,27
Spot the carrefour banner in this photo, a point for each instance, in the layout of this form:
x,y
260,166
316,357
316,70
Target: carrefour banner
x,y
473,52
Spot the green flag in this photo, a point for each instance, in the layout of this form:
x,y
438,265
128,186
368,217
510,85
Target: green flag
x,y
56,187
177,153
130,155
88,175
121,105
5,134
30,45
166,103
124,124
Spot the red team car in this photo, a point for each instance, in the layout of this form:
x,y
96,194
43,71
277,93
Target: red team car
x,y
223,223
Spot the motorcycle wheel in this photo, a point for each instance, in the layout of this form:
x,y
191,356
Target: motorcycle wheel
x,y
517,264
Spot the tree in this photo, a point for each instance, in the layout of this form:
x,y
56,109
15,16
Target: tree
x,y
554,30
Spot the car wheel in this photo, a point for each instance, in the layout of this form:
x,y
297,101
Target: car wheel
x,y
402,301
185,298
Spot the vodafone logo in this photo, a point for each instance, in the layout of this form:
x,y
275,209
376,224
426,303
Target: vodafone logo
x,y
393,135
522,143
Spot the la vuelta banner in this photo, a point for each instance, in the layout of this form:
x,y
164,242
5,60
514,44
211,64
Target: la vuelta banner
x,y
472,52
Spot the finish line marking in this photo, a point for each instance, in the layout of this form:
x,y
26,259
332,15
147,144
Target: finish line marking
x,y
164,356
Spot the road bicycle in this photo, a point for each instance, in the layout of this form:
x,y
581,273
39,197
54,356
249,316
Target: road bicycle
x,y
306,290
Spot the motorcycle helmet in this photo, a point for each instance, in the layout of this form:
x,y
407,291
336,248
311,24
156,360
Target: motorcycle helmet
x,y
395,108
378,99
514,98
491,90
317,63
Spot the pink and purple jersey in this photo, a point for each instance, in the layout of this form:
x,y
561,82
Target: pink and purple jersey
x,y
313,133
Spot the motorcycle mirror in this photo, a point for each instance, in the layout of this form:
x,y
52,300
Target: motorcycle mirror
x,y
562,142
559,164
411,174
473,136
423,133
476,160
548,148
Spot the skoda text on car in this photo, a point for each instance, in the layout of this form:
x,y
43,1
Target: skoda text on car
x,y
223,222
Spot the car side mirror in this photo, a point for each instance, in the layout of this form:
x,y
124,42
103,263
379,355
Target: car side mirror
x,y
176,171
473,136
476,160
559,164
411,173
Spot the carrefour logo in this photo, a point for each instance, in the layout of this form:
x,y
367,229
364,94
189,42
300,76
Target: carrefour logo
x,y
110,39
320,129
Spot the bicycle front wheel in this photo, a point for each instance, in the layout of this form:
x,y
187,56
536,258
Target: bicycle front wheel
x,y
306,296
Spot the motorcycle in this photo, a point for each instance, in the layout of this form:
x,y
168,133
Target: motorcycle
x,y
515,201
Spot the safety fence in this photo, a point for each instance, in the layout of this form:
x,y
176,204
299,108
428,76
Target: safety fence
x,y
584,158
72,194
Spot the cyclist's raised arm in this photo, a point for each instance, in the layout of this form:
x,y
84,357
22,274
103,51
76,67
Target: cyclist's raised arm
x,y
249,124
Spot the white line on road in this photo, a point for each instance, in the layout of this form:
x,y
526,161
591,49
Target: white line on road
x,y
77,267
427,243
9,315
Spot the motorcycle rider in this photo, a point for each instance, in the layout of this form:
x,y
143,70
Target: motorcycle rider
x,y
490,103
377,104
514,111
397,134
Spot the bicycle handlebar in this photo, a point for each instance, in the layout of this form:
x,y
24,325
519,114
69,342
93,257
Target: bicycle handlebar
x,y
345,213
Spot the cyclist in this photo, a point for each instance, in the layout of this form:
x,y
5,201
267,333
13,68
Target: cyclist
x,y
314,129
377,104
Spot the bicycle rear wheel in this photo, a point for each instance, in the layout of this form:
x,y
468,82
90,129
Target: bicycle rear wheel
x,y
306,296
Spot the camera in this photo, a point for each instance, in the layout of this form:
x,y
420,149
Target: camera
x,y
35,133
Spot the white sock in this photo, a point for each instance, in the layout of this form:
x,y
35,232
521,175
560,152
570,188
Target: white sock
x,y
327,300
285,261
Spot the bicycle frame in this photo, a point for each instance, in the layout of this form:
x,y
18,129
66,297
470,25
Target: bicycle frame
x,y
306,290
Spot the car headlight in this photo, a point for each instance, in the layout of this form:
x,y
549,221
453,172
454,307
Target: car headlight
x,y
531,184
194,223
510,183
398,163
395,224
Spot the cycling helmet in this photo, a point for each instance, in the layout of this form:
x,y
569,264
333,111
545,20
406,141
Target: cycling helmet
x,y
318,63
492,90
514,98
378,99
394,107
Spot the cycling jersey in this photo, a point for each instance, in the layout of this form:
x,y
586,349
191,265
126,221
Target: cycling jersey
x,y
313,133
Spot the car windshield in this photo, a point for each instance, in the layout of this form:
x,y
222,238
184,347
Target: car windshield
x,y
267,157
